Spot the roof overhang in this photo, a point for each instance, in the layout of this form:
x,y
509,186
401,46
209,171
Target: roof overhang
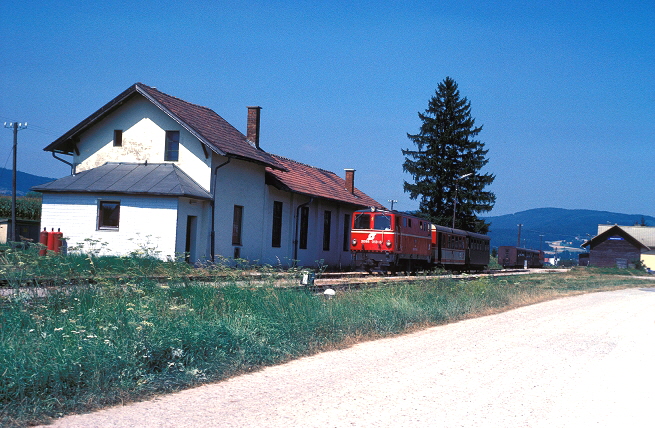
x,y
614,231
67,143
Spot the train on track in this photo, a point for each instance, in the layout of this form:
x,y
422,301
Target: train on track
x,y
517,257
390,241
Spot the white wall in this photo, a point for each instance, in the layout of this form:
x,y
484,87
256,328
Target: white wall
x,y
144,130
335,257
200,209
145,222
239,183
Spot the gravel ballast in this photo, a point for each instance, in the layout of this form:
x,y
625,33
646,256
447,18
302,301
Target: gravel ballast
x,y
587,360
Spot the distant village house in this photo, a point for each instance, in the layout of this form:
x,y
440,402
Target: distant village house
x,y
622,246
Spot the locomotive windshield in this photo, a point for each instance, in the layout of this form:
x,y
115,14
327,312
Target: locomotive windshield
x,y
362,221
382,222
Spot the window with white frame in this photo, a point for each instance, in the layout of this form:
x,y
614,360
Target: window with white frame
x,y
108,215
172,148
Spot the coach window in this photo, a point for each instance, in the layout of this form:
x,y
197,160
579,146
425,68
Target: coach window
x,y
108,215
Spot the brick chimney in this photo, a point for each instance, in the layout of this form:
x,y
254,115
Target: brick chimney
x,y
253,125
350,180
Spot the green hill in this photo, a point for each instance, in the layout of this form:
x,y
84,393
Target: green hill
x,y
24,182
543,225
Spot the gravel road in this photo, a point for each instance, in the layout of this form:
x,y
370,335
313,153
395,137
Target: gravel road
x,y
580,361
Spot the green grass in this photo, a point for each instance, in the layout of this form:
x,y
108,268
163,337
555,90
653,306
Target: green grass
x,y
86,346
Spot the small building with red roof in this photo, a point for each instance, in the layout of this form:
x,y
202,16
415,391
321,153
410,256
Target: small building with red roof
x,y
153,173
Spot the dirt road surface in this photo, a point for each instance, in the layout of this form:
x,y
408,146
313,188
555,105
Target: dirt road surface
x,y
580,361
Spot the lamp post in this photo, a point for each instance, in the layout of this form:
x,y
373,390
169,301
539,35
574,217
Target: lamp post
x,y
455,199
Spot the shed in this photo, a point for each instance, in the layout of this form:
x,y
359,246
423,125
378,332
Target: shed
x,y
620,246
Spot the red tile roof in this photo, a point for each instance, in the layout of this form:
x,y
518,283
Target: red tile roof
x,y
210,128
222,138
312,181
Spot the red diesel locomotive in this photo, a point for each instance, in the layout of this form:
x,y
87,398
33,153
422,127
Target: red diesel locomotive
x,y
392,241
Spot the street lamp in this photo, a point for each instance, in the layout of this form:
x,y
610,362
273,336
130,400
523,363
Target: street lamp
x,y
455,199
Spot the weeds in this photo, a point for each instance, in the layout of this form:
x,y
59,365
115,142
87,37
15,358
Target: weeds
x,y
97,343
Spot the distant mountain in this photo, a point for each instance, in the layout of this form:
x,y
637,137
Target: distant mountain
x,y
24,182
542,225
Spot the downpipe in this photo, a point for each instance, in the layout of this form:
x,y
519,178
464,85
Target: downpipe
x,y
212,235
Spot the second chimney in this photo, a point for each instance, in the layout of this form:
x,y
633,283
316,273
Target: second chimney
x,y
350,180
252,134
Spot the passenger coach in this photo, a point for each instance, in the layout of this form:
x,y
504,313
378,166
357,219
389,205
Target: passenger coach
x,y
516,257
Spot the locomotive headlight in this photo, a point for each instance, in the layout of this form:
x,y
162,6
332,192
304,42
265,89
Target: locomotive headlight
x,y
354,242
388,243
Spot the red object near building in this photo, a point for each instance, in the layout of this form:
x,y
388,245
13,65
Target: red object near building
x,y
54,240
43,240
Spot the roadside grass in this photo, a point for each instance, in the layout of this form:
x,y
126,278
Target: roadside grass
x,y
79,348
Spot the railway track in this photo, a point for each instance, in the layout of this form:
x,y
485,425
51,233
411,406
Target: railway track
x,y
358,279
324,281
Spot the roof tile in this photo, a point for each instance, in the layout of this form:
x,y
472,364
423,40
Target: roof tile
x,y
312,181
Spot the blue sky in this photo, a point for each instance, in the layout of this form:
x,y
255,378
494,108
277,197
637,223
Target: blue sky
x,y
565,90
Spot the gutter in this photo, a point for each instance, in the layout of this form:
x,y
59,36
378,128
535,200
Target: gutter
x,y
213,202
65,161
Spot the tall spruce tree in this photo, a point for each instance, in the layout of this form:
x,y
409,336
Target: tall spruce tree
x,y
446,149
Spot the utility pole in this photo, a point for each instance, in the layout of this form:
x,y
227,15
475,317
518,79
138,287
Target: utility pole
x,y
518,241
391,201
16,126
455,198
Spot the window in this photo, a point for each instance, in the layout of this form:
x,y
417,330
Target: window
x,y
346,232
172,148
381,222
327,225
304,227
362,221
276,240
118,138
237,225
108,215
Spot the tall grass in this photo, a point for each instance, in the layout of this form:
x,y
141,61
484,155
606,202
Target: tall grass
x,y
81,347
